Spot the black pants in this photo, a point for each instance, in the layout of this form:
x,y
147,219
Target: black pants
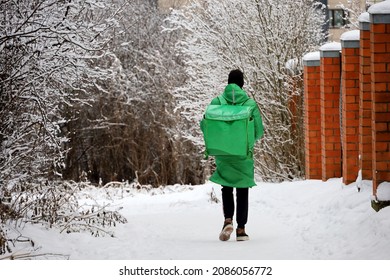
x,y
242,204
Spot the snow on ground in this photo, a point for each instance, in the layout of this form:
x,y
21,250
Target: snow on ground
x,y
301,220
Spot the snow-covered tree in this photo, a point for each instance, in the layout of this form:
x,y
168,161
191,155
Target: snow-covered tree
x,y
129,130
353,9
47,50
260,37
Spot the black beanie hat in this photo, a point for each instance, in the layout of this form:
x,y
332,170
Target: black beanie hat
x,y
236,77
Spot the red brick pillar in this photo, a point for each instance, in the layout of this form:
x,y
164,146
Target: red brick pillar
x,y
312,115
365,106
350,42
330,110
380,89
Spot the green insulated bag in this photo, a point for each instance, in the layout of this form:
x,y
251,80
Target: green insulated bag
x,y
228,130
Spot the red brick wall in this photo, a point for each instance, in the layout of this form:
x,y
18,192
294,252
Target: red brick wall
x,y
380,90
365,108
365,95
330,113
312,119
350,107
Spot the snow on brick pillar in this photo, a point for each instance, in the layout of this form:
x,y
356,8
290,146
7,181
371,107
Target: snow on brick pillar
x,y
312,115
380,89
350,42
330,110
365,128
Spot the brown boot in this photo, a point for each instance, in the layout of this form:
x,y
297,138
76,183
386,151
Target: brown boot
x,y
227,230
241,235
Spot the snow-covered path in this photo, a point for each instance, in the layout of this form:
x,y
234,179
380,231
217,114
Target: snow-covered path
x,y
303,220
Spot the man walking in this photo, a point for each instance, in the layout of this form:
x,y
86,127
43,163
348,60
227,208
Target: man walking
x,y
236,172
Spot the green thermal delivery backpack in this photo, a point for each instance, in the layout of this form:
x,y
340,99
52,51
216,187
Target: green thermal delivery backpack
x,y
228,130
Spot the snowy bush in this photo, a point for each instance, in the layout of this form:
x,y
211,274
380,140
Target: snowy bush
x,y
55,204
46,49
354,8
259,37
85,93
129,129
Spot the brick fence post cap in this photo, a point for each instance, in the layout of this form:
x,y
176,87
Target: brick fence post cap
x,y
332,46
380,8
331,49
364,17
350,39
364,21
353,35
311,56
312,59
